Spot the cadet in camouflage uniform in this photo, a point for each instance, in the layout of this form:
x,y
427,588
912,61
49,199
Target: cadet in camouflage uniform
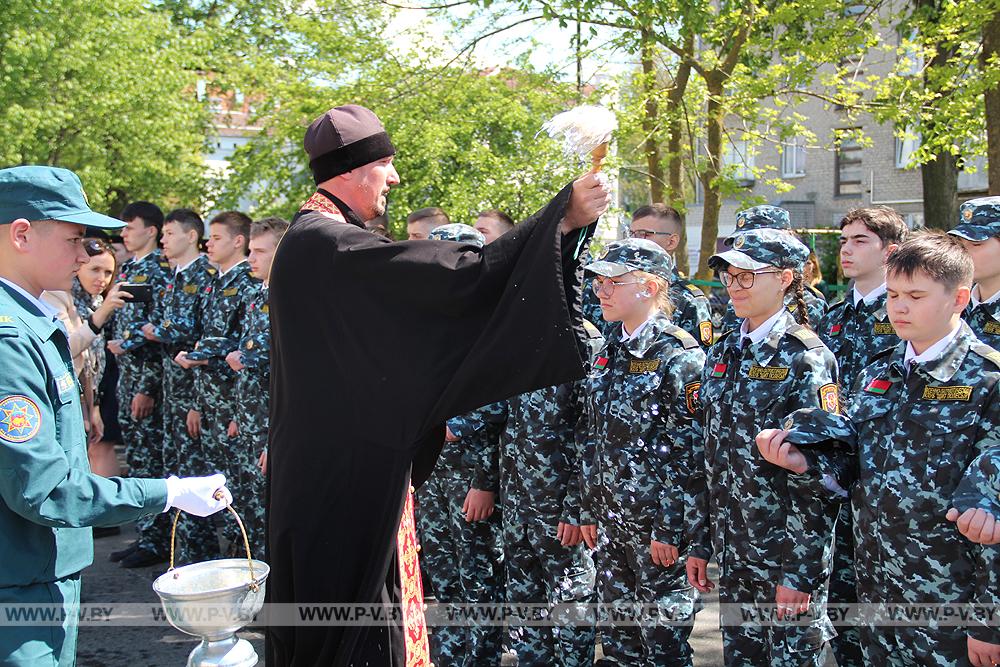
x,y
643,426
773,217
252,363
979,231
692,312
742,508
919,421
459,531
855,330
176,323
977,501
223,316
544,518
140,402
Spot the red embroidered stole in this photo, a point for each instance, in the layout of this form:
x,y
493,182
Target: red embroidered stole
x,y
412,590
321,204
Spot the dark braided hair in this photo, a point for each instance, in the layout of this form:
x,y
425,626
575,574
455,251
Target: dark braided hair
x,y
798,289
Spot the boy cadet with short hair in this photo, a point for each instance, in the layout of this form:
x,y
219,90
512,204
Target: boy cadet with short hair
x,y
979,231
252,363
140,400
176,324
692,312
920,416
772,217
215,382
458,527
855,330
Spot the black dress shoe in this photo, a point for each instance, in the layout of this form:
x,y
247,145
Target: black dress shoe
x,y
142,558
106,531
116,556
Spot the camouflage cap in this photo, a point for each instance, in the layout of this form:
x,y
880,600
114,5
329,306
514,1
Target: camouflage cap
x,y
814,426
626,255
760,217
979,219
760,248
456,231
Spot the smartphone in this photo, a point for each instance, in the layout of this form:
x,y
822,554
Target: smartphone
x,y
140,293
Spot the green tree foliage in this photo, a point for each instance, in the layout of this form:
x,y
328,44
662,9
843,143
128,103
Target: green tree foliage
x,y
99,86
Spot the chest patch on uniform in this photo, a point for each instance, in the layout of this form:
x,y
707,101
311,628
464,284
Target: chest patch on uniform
x,y
835,329
64,383
643,365
883,329
719,370
954,393
190,288
601,363
265,309
878,386
829,398
140,279
229,292
992,327
705,329
691,396
772,373
20,419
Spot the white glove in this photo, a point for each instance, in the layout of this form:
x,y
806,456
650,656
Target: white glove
x,y
196,495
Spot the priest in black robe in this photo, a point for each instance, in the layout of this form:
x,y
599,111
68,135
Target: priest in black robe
x,y
479,325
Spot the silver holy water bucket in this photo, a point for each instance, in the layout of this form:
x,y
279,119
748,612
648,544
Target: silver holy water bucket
x,y
213,600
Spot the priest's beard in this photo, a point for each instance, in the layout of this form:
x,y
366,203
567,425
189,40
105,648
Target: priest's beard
x,y
377,204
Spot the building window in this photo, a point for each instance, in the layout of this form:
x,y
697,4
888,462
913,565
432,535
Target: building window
x,y
793,158
848,173
741,160
911,57
906,146
974,181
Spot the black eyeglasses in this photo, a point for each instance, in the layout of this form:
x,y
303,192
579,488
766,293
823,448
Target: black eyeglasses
x,y
644,233
744,280
95,247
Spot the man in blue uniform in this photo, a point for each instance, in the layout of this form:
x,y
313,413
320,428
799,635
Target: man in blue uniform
x,y
49,499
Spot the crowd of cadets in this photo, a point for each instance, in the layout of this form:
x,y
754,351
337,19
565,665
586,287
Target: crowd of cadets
x,y
194,368
620,488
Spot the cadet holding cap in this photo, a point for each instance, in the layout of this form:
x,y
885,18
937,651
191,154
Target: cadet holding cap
x,y
772,531
49,499
644,426
775,217
979,231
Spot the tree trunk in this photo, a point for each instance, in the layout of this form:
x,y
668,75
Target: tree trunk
x,y
651,120
940,181
710,176
675,162
991,49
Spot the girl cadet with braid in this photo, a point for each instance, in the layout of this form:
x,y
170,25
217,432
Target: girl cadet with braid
x,y
743,509
644,428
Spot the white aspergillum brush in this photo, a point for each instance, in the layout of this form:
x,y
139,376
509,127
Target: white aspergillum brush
x,y
584,130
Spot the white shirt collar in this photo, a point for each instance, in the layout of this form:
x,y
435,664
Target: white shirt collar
x,y
931,353
626,336
869,298
975,296
45,309
137,258
761,332
222,273
186,266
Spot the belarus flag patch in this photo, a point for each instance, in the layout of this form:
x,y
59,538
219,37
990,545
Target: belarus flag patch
x,y
835,330
601,362
719,370
878,386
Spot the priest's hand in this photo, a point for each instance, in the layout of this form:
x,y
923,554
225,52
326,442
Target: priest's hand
x,y
590,199
478,505
568,534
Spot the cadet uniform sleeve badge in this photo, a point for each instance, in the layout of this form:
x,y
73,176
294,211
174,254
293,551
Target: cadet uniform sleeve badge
x,y
829,398
20,419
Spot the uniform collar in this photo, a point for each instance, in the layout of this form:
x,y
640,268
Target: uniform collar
x,y
975,302
223,274
761,332
39,316
869,298
642,338
181,269
942,359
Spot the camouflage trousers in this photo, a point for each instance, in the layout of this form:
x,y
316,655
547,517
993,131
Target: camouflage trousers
x,y
229,455
184,456
915,646
252,488
463,563
627,578
769,644
541,570
143,449
843,590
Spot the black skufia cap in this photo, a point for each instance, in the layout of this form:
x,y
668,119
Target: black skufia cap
x,y
345,138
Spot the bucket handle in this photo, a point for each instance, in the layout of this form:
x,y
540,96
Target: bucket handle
x,y
218,495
